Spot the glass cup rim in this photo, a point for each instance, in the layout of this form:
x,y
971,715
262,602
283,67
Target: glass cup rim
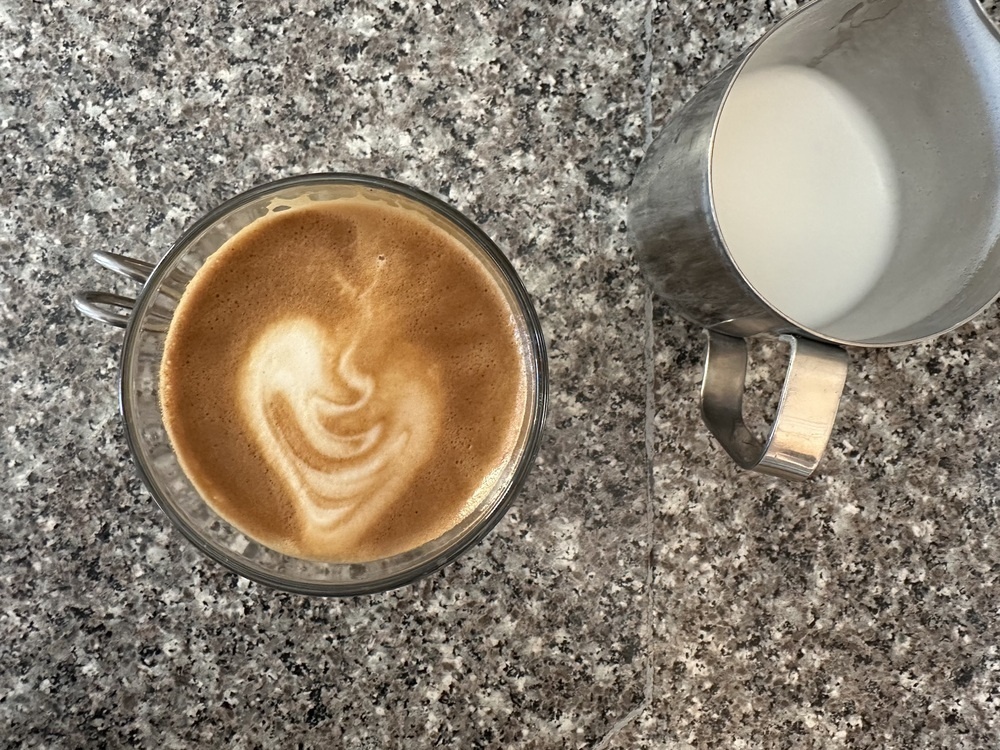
x,y
535,352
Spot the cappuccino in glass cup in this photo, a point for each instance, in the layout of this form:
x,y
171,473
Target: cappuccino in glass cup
x,y
332,384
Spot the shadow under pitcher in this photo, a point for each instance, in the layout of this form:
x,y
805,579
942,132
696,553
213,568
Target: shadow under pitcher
x,y
838,184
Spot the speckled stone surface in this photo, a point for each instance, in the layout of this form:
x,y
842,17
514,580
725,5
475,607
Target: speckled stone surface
x,y
642,593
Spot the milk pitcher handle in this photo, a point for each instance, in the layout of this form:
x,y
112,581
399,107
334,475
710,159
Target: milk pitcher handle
x,y
104,306
810,397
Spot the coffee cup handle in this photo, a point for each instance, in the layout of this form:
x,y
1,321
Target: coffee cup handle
x,y
103,306
807,410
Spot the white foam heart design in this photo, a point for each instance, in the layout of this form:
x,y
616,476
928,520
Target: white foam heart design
x,y
345,443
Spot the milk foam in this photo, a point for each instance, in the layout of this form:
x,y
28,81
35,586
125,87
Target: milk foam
x,y
346,443
805,191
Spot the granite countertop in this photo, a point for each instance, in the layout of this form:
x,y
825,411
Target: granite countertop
x,y
643,593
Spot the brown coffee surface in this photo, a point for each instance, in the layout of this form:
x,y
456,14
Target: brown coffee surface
x,y
343,381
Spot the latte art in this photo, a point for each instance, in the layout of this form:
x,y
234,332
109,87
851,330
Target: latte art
x,y
344,442
344,380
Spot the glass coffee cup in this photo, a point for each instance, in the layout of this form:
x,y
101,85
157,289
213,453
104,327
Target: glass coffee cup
x,y
147,319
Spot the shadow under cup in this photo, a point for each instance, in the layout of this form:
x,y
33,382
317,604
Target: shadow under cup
x,y
160,470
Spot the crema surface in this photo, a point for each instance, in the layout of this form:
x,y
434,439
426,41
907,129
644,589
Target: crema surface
x,y
343,381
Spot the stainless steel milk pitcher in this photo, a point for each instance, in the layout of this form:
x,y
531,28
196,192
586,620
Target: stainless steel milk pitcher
x,y
928,72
